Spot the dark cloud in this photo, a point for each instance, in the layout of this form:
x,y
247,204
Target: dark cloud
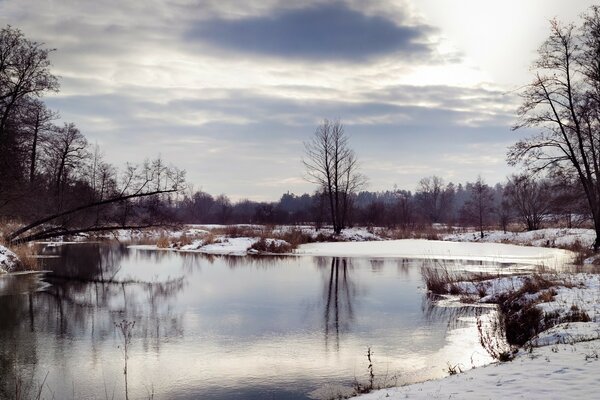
x,y
320,32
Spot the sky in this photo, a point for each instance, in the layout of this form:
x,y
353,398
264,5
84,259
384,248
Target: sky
x,y
229,90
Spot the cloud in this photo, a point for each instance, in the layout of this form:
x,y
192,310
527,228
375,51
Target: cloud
x,y
329,32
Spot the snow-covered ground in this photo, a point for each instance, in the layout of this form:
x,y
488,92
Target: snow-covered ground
x,y
8,260
432,249
225,246
565,371
560,362
550,237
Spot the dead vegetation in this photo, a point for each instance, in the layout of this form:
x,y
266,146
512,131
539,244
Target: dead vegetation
x,y
520,318
272,246
439,279
27,257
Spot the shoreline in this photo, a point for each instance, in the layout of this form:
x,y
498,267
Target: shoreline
x,y
564,353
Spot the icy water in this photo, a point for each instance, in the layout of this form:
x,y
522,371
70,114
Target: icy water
x,y
222,327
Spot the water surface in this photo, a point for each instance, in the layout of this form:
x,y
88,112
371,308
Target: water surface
x,y
222,327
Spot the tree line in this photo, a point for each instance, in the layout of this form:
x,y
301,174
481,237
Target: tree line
x,y
521,201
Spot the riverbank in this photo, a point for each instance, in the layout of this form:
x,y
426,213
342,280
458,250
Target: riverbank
x,y
8,260
561,371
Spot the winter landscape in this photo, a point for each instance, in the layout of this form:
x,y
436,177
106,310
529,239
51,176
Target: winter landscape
x,y
318,200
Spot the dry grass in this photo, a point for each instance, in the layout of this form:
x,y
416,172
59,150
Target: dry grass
x,y
163,242
239,231
423,232
440,280
523,319
27,256
582,252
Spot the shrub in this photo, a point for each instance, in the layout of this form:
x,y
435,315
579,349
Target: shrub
x,y
163,242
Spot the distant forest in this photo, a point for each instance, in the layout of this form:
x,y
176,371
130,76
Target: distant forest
x,y
520,200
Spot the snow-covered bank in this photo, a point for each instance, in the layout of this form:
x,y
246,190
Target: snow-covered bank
x,y
549,237
566,371
432,249
560,362
8,260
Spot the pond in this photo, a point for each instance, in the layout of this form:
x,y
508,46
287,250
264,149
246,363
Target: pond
x,y
222,327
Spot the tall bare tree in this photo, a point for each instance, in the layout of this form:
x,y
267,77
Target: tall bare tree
x,y
24,71
36,121
332,164
67,151
563,104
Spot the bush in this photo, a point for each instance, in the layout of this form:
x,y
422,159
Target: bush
x,y
272,246
163,242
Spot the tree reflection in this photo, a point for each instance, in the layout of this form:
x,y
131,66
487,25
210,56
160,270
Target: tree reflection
x,y
84,300
339,296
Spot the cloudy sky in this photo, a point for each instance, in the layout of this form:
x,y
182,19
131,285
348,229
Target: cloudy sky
x,y
230,89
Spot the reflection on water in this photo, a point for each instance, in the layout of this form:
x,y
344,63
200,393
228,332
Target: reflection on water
x,y
220,327
340,294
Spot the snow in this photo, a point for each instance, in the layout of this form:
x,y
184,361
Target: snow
x,y
222,246
563,357
8,260
550,237
566,371
432,249
226,246
567,333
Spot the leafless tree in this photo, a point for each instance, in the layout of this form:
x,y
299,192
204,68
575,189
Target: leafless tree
x,y
434,198
223,208
24,71
137,182
481,204
37,128
332,164
531,198
67,152
563,103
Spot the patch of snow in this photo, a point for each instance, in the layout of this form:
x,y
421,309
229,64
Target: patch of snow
x,y
432,249
229,246
222,246
8,260
568,332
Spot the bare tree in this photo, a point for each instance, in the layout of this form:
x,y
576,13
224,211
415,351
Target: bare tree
x,y
37,128
67,151
223,208
480,205
563,103
531,198
24,71
137,182
402,211
332,164
434,198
